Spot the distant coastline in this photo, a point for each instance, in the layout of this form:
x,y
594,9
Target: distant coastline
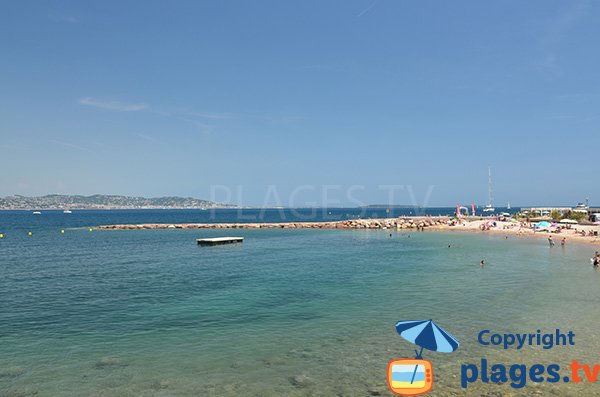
x,y
105,202
391,206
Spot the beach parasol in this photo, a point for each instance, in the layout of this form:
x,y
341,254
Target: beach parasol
x,y
569,221
428,335
543,224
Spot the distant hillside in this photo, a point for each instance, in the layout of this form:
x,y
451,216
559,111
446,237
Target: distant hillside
x,y
101,201
389,206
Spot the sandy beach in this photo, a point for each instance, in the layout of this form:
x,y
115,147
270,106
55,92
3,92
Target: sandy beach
x,y
516,229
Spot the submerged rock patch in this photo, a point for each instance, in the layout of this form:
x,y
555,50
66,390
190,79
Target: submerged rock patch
x,y
11,372
108,362
301,381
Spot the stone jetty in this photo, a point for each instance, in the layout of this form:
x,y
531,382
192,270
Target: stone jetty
x,y
385,223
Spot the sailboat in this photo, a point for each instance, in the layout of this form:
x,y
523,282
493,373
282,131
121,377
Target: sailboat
x,y
508,206
489,207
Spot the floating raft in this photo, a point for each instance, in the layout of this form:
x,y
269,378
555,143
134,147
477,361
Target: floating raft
x,y
219,240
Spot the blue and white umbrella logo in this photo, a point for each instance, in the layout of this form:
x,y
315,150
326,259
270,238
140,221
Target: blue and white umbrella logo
x,y
427,334
402,378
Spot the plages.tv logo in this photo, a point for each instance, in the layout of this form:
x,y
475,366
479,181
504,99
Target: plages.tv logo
x,y
413,377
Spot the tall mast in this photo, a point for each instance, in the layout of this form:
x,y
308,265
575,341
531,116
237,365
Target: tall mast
x,y
490,186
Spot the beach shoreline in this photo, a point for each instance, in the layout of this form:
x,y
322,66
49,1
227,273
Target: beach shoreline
x,y
419,223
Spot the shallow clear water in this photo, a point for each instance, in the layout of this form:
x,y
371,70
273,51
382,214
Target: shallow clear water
x,y
288,312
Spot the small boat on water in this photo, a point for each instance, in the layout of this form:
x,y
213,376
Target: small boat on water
x,y
67,212
37,213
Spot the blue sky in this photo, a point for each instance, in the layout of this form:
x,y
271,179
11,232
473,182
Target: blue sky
x,y
305,102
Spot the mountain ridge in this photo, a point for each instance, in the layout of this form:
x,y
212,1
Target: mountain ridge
x,y
104,201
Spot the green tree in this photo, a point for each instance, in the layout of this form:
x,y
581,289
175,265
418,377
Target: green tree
x,y
578,216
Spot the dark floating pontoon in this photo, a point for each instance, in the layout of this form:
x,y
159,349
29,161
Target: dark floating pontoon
x,y
219,240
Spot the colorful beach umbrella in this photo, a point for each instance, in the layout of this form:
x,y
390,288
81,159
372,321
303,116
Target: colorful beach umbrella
x,y
569,221
543,224
428,335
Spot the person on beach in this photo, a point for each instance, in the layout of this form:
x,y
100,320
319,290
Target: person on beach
x,y
550,241
596,260
563,241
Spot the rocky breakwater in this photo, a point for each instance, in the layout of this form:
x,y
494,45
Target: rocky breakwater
x,y
387,223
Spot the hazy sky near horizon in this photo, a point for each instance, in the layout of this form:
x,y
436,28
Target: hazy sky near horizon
x,y
302,103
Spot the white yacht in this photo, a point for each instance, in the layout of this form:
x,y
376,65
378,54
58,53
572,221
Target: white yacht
x,y
582,207
67,212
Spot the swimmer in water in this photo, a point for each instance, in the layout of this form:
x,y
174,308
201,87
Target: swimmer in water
x,y
550,241
482,263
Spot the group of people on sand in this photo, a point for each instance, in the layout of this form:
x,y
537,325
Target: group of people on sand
x,y
488,225
590,233
562,242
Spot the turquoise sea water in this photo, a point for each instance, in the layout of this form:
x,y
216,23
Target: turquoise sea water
x,y
288,312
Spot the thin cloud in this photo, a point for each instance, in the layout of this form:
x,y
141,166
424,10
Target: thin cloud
x,y
210,115
555,33
569,17
215,116
102,145
205,129
113,105
147,138
366,10
548,65
73,146
201,120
